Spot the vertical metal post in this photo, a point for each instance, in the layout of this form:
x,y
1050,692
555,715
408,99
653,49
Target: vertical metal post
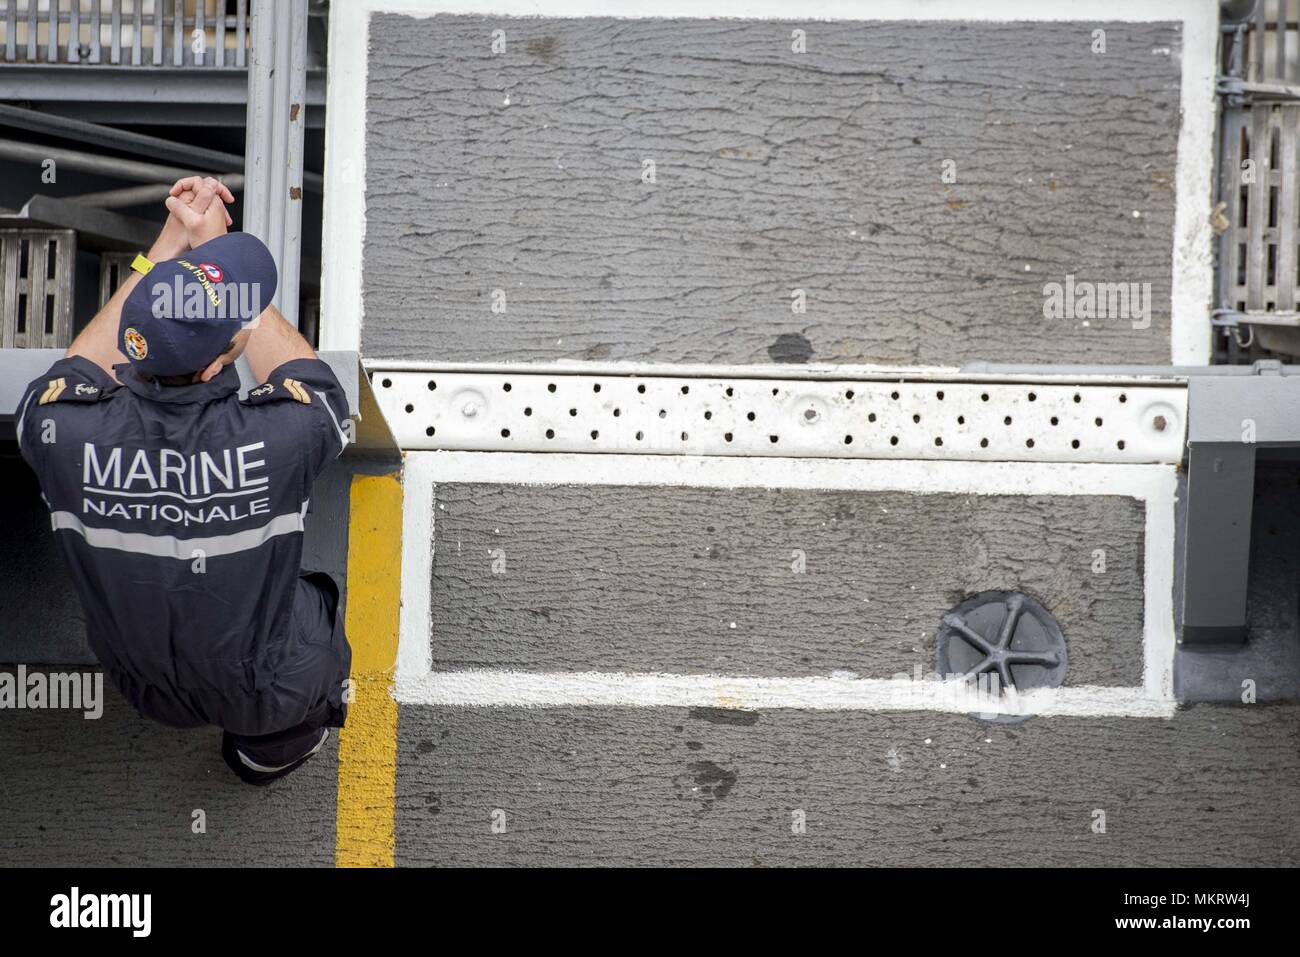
x,y
273,157
1220,493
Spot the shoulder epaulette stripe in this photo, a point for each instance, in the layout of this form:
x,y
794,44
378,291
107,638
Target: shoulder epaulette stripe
x,y
297,391
53,390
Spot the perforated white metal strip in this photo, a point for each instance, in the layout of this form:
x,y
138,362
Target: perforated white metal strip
x,y
531,412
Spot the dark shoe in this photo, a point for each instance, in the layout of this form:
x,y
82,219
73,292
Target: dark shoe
x,y
252,771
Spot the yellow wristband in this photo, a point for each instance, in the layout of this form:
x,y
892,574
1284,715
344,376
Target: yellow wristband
x,y
141,265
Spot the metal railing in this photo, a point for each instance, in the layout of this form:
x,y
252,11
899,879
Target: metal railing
x,y
125,33
190,34
1258,214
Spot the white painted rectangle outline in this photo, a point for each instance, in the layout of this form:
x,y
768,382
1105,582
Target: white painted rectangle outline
x,y
418,683
342,305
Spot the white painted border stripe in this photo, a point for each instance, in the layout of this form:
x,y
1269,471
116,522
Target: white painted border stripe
x,y
345,158
344,218
415,621
991,11
816,371
617,689
1159,641
1155,485
1192,289
865,475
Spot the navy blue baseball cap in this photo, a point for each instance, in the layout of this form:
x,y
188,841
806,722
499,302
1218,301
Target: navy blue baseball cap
x,y
185,311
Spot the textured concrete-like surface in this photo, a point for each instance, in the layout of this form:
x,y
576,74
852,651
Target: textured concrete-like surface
x,y
689,580
1214,785
521,171
121,790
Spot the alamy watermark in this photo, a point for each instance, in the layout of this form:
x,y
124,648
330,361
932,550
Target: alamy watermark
x,y
208,298
37,690
1087,301
983,695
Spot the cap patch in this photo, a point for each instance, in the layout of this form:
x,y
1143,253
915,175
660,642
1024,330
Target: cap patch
x,y
137,347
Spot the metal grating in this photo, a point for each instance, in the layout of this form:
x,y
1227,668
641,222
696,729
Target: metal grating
x,y
1259,250
36,284
531,412
1258,213
114,268
145,33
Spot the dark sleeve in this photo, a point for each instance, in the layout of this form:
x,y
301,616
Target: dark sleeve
x,y
72,380
324,410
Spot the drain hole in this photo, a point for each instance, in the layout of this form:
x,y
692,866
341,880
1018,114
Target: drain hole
x,y
893,440
750,416
528,410
730,392
596,387
1055,421
641,388
984,396
573,412
939,395
1120,445
505,387
1074,444
684,436
505,433
1033,396
640,436
961,420
686,390
984,443
893,395
848,439
1123,397
773,439
1029,443
409,407
595,434
938,440
707,416
617,413
871,417
432,385
550,433
429,430
663,413
1098,422
1077,397
727,436
551,387
387,383
916,418
848,394
1006,420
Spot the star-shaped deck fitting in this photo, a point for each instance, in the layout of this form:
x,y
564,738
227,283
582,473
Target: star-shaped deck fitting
x,y
999,656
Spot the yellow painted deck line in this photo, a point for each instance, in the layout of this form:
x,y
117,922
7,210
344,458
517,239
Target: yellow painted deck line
x,y
368,744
